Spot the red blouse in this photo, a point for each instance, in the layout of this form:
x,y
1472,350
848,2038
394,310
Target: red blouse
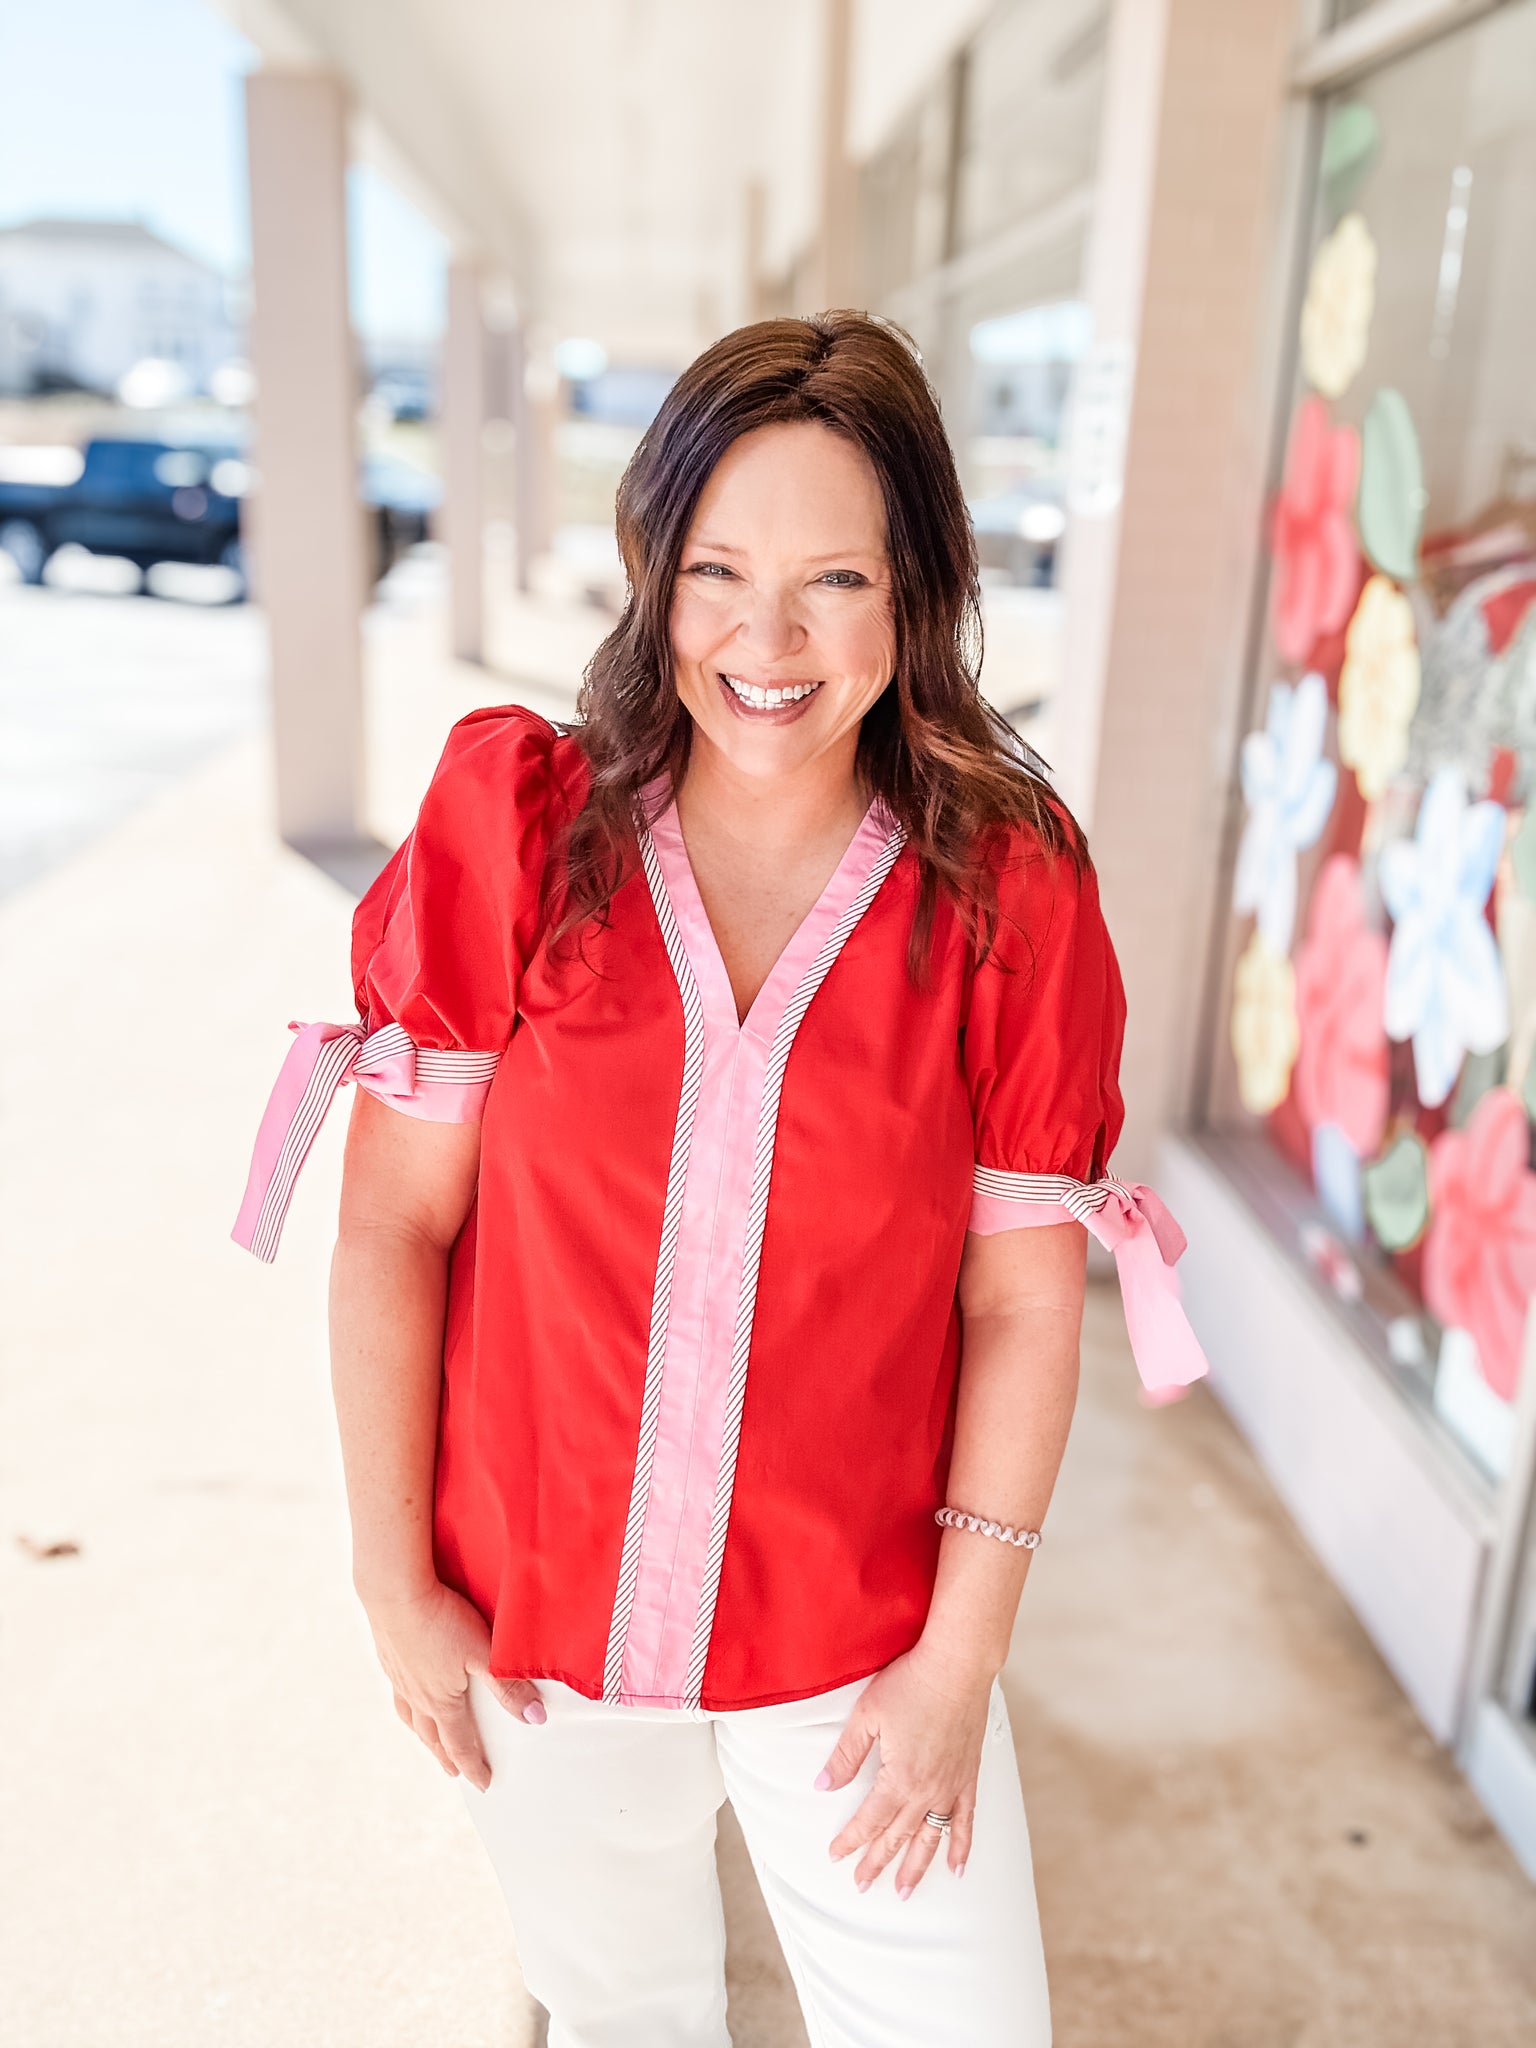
x,y
702,1335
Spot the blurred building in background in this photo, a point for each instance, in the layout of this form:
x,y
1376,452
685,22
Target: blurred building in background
x,y
84,303
1232,310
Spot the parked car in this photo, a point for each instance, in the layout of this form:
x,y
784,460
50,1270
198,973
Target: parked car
x,y
159,501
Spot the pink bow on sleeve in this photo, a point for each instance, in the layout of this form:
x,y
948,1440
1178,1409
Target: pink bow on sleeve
x,y
442,1087
1136,1225
1132,1222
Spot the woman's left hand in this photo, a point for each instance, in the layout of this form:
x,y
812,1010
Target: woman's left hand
x,y
930,1724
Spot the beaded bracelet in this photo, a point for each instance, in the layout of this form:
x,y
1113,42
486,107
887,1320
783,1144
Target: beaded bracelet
x,y
1021,1539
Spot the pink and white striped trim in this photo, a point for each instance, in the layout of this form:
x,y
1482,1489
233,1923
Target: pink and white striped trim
x,y
1133,1223
440,1087
704,1302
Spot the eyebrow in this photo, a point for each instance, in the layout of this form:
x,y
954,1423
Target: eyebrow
x,y
723,547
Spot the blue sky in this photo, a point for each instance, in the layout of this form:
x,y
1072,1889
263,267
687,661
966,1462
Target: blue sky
x,y
131,110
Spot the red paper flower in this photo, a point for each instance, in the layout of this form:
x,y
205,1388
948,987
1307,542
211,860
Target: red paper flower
x,y
1341,1072
1480,1255
1317,562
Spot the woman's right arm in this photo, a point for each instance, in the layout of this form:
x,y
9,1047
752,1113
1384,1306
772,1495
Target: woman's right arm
x,y
406,1190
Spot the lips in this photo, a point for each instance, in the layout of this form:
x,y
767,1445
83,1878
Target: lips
x,y
767,696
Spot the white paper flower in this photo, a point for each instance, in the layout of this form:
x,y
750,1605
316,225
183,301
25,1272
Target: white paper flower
x,y
1445,986
1341,297
1289,786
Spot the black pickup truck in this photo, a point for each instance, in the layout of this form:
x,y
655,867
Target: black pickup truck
x,y
160,501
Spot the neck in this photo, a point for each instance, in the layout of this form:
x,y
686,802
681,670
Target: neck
x,y
820,798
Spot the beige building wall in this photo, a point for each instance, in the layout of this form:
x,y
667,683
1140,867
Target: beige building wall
x,y
1187,269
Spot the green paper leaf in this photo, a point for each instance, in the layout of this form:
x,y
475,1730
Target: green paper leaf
x,y
1528,1090
1391,502
1480,1071
1395,1189
1349,149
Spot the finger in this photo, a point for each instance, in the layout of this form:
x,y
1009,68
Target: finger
x,y
403,1709
960,1832
853,1745
426,1728
874,1814
461,1738
921,1851
885,1848
520,1697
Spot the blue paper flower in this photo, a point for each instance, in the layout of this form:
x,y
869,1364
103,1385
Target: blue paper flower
x,y
1289,787
1445,986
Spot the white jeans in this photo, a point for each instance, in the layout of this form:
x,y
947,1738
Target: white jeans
x,y
601,1827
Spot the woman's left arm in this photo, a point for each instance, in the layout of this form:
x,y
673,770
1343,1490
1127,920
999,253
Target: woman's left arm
x,y
1021,1307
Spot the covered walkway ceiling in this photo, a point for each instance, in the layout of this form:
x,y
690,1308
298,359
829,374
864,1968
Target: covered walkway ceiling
x,y
598,153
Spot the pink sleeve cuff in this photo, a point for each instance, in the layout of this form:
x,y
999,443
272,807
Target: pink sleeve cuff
x,y
439,1087
1128,1220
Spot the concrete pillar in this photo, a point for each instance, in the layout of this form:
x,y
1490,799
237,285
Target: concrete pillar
x,y
835,271
1186,276
308,527
535,406
464,415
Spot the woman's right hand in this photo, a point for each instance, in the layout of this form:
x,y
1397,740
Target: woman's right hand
x,y
430,1644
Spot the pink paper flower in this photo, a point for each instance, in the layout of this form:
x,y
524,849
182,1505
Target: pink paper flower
x,y
1341,977
1316,557
1480,1254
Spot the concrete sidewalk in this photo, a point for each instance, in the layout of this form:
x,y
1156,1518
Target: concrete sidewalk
x,y
216,1831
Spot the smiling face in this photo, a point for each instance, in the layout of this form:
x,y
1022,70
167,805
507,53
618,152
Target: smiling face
x,y
782,620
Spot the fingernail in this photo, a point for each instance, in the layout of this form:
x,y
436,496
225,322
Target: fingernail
x,y
534,1712
823,1781
864,1883
959,1870
903,1891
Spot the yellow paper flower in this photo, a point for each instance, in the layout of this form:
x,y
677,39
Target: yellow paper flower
x,y
1378,686
1265,1035
1341,297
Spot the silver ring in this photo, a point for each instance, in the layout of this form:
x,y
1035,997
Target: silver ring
x,y
940,1821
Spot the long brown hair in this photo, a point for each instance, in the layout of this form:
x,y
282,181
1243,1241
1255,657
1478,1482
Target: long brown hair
x,y
949,769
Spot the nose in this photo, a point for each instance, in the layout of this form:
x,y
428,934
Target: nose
x,y
770,626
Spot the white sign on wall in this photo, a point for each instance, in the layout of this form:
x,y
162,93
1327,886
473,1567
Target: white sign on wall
x,y
1096,429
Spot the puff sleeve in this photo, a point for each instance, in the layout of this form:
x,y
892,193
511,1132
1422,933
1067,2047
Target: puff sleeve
x,y
1045,1023
438,945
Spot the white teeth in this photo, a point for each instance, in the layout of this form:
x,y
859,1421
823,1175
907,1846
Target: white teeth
x,y
768,699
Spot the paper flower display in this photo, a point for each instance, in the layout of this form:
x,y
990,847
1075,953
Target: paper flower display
x,y
1317,561
1289,784
1480,1255
1341,297
1378,687
1336,1177
1396,1192
1392,496
1341,979
1264,1034
1445,986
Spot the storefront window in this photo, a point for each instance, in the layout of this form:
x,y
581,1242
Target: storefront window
x,y
1376,1078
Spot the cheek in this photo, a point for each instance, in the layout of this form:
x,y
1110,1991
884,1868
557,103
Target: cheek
x,y
699,620
864,639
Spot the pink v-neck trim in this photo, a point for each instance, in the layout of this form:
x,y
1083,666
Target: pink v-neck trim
x,y
789,970
697,1405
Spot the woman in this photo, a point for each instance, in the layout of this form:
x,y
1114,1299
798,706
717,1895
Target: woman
x,y
691,1351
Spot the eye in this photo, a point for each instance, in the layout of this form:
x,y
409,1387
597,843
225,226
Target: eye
x,y
854,579
708,569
